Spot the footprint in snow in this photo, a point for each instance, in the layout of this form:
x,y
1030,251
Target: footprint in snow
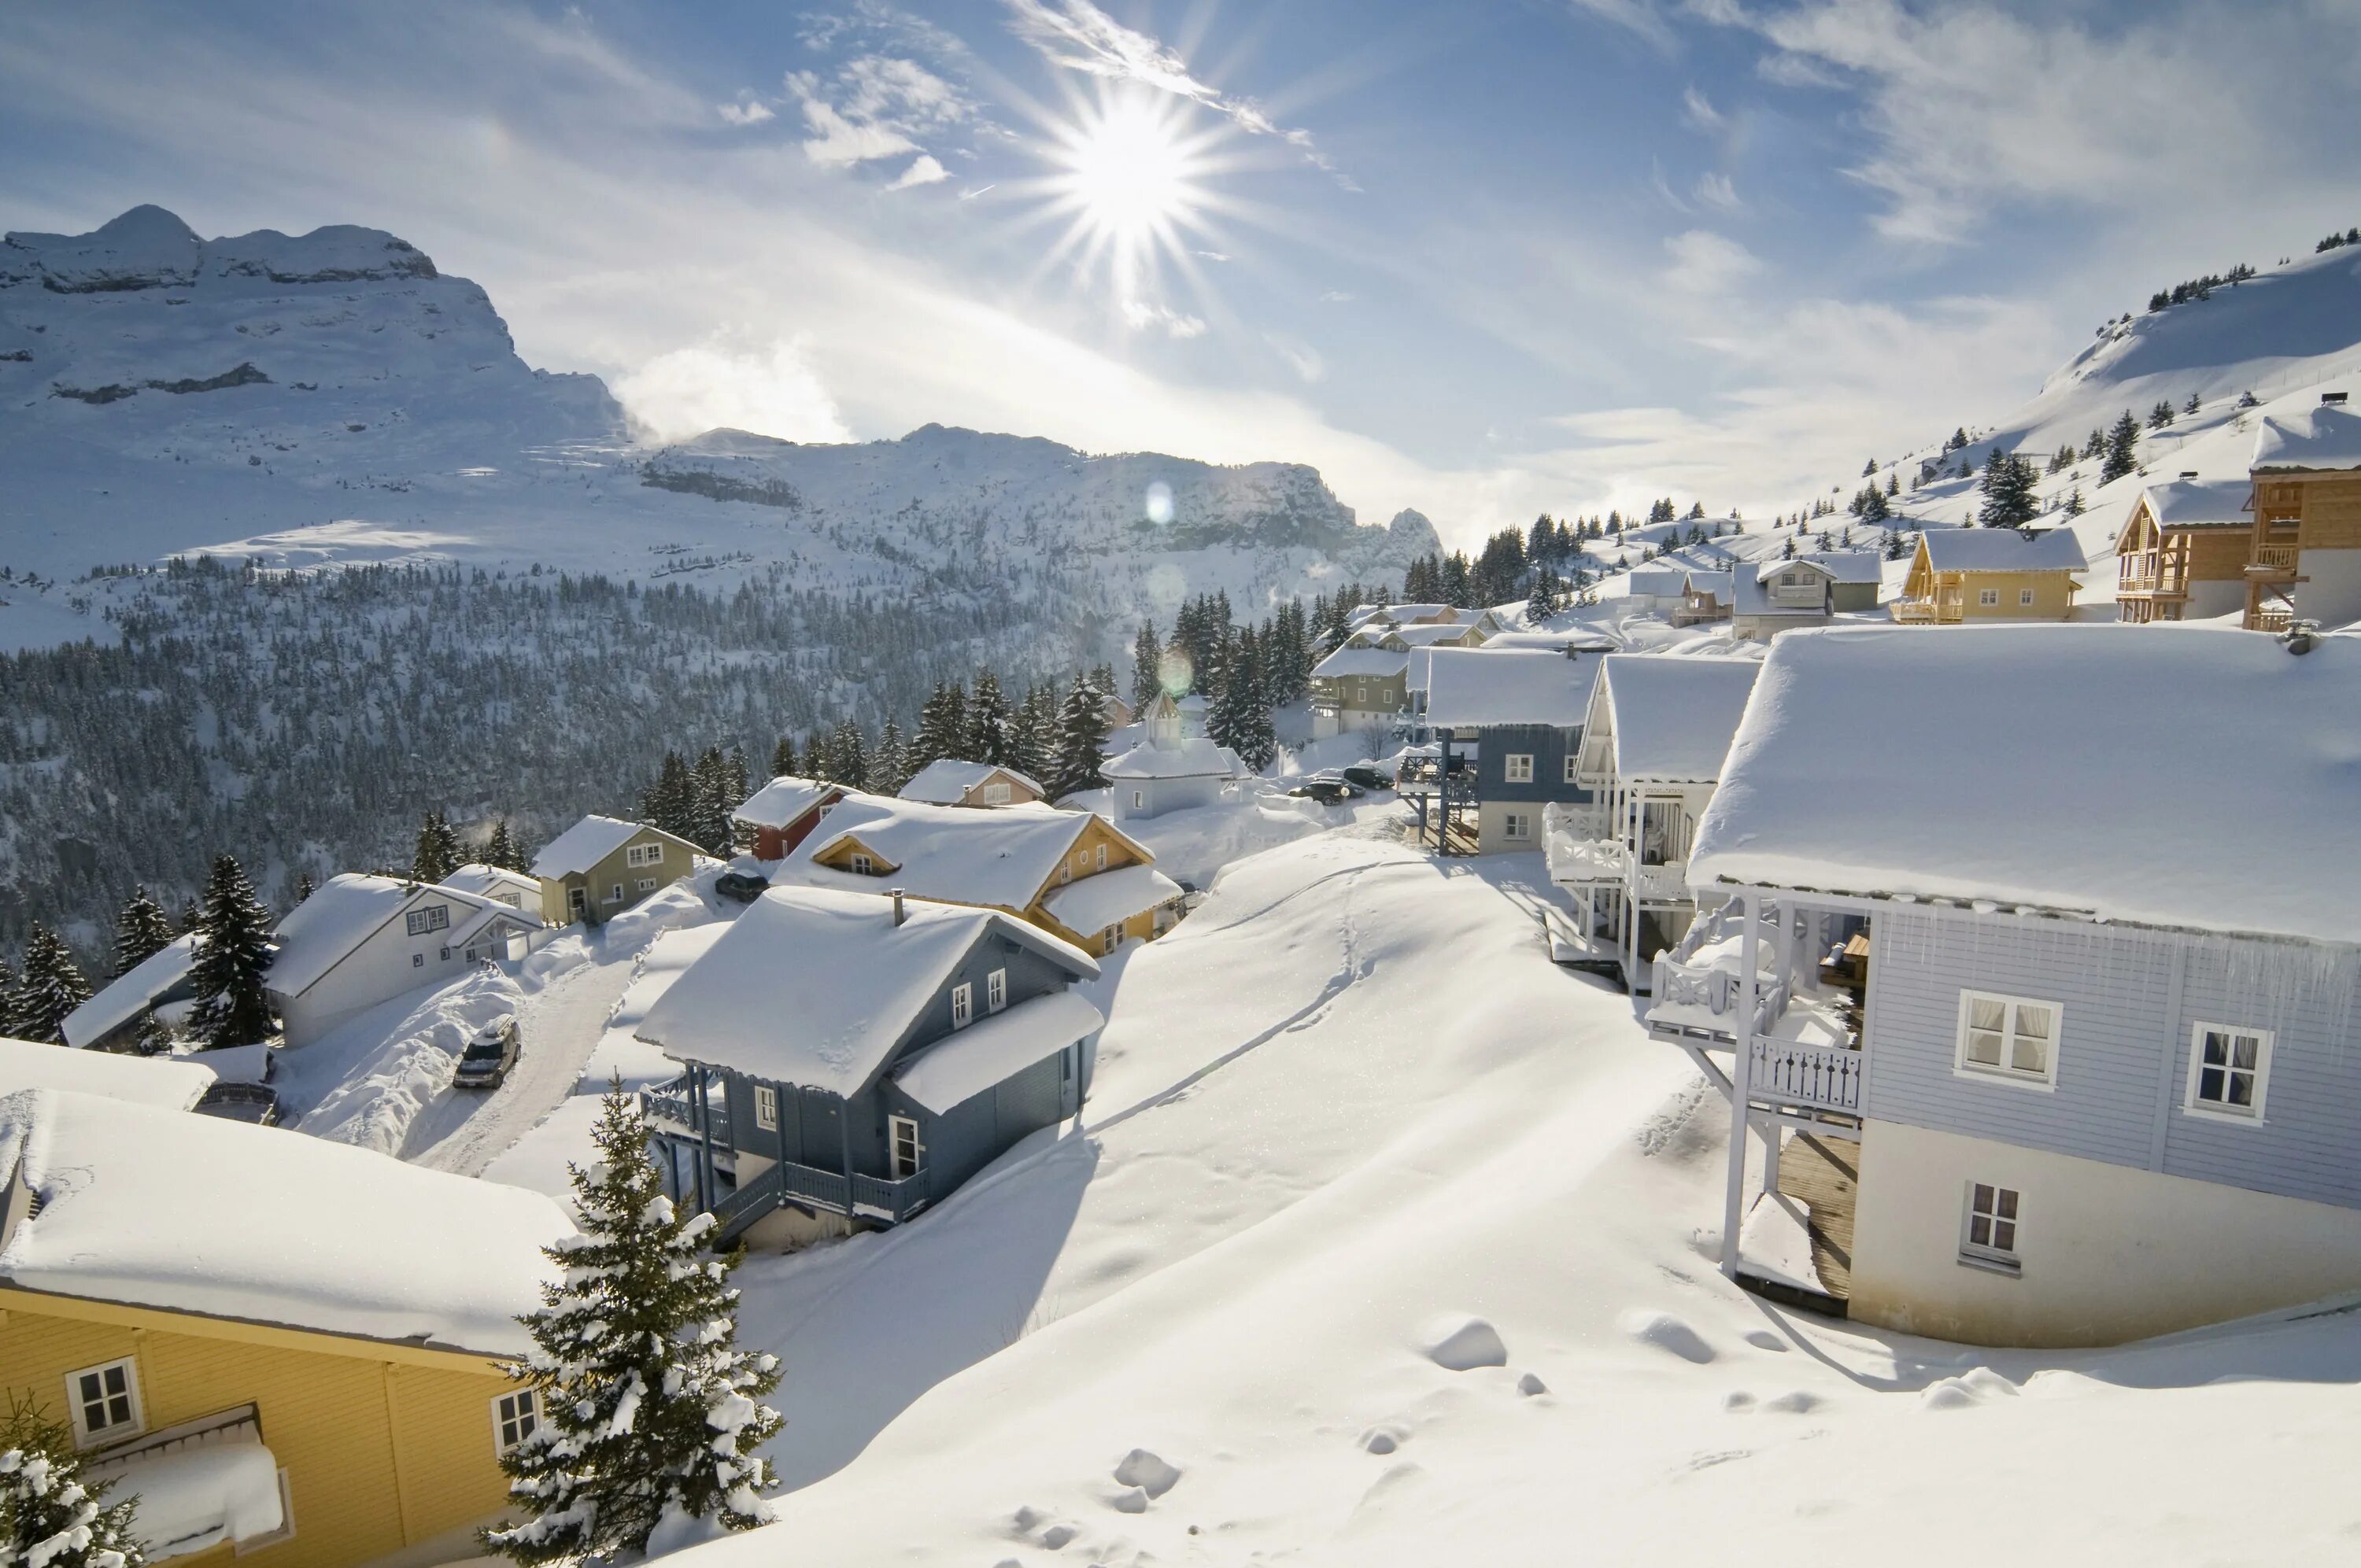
x,y
1666,1331
1763,1339
1794,1402
1460,1343
1382,1439
1147,1473
1971,1388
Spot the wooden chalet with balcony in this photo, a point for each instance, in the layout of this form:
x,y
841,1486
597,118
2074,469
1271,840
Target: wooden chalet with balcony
x,y
2182,554
1965,574
2304,558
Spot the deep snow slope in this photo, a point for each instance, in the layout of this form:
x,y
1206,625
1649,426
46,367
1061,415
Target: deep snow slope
x,y
1384,1241
335,397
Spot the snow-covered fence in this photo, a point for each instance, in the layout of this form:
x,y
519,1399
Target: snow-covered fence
x,y
1822,1076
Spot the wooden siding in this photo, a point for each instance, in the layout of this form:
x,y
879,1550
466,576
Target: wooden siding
x,y
2130,1000
1549,746
679,859
379,1454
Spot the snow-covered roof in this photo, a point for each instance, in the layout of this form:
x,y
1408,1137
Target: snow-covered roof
x,y
963,1065
1096,902
1846,566
1364,614
996,858
2002,550
1868,764
175,1084
947,780
1194,757
783,801
816,988
491,881
1419,636
2199,503
1749,596
346,911
584,845
193,1496
1715,582
2323,437
1473,688
1672,716
131,992
153,1208
1656,582
1363,661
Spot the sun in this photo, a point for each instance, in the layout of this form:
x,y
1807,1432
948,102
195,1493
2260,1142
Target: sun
x,y
1127,172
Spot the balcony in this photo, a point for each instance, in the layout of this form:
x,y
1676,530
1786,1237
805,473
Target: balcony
x,y
2274,561
1941,610
670,1107
1817,1078
831,1191
1576,861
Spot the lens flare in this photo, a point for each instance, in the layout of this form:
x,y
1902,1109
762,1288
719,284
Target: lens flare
x,y
1174,673
1159,502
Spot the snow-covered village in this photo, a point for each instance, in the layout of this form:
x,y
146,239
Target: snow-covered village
x,y
1107,783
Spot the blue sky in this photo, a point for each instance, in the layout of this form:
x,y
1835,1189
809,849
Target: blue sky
x,y
1481,258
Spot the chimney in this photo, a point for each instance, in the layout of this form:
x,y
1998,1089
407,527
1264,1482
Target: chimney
x,y
2189,473
901,910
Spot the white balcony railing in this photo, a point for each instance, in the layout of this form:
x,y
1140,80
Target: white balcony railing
x,y
1826,1078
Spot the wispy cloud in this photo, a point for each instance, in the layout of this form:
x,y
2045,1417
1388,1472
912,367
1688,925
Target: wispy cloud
x,y
1698,111
923,170
1299,357
1716,191
1077,36
1638,17
875,106
1141,314
1703,262
748,110
1336,297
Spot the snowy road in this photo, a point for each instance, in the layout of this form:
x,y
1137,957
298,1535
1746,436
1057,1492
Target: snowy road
x,y
561,1025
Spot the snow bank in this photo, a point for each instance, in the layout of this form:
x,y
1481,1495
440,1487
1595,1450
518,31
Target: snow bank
x,y
366,1081
175,1085
194,1498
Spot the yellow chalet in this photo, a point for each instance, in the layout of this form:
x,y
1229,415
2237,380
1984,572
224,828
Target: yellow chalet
x,y
1990,573
2182,552
289,1351
1072,873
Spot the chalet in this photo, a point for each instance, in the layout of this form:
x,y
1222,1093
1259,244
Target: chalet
x,y
1652,743
1990,573
949,782
287,1349
1362,686
1165,770
853,1059
2020,1078
1028,861
159,987
1369,615
1663,590
1772,596
1706,596
497,883
603,865
1854,578
360,940
1524,711
2304,558
778,816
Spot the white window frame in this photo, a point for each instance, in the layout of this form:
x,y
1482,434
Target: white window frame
x,y
1988,598
646,885
1516,826
896,1166
2004,1214
645,855
1099,860
962,1006
2024,599
1516,767
767,1107
1139,800
86,1436
615,894
2222,1110
432,918
1111,939
995,793
1573,761
862,864
524,1406
995,990
2047,1080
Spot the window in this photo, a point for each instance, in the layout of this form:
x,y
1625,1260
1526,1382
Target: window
x,y
1139,800
1988,597
995,990
578,900
615,894
903,1146
862,865
104,1402
1098,861
1988,1237
995,793
2008,1036
434,917
1517,825
443,956
1518,767
646,885
962,1006
645,855
418,960
766,1108
2024,598
1111,939
515,1417
2227,1071
1571,759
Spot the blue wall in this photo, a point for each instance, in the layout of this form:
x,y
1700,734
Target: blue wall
x,y
1550,746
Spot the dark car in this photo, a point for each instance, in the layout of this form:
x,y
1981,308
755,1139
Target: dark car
x,y
255,1103
1369,775
739,887
491,1053
1328,789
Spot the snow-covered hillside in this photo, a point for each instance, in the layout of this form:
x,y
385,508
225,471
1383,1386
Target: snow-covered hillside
x,y
334,397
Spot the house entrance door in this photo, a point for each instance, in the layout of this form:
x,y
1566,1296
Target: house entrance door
x,y
901,1133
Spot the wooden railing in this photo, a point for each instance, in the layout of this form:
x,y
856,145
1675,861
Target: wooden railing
x,y
672,1101
1715,990
867,1197
1947,605
2275,615
1826,1078
2273,558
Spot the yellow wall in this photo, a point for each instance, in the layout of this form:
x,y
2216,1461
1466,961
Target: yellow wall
x,y
556,893
1079,861
336,1417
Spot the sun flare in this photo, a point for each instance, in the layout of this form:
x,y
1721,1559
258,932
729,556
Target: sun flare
x,y
1127,172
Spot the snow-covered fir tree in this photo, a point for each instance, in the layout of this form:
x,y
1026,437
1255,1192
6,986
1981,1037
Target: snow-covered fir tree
x,y
50,1516
437,854
50,985
2012,496
888,761
2123,449
990,725
649,1412
1082,728
1147,654
142,930
502,849
232,960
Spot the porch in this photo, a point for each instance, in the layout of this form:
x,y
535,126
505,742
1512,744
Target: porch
x,y
711,1174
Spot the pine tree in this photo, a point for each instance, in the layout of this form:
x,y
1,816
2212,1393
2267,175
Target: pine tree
x,y
501,850
2192,405
305,887
437,854
670,803
649,1410
1082,728
141,931
942,727
2010,496
50,1516
782,756
50,985
988,724
2123,443
1146,655
1542,602
2160,415
8,1002
231,958
887,774
1874,505
712,796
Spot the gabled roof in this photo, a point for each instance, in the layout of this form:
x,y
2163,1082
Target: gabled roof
x,y
2323,437
1474,689
816,988
155,1207
491,882
1364,614
1656,582
1845,565
1749,597
1193,758
1103,898
947,780
2201,503
1866,765
1362,661
1715,583
2002,550
996,858
131,992
784,801
1672,716
1424,635
347,910
588,842
172,1083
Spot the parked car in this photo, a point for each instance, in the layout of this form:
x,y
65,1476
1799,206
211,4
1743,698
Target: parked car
x,y
740,887
491,1053
1328,789
1369,775
255,1103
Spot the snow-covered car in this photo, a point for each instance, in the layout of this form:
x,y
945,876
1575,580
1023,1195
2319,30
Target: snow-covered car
x,y
490,1052
739,887
255,1103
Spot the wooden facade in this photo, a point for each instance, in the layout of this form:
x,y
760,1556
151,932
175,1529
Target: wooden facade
x,y
1933,598
2303,555
1097,848
2168,573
